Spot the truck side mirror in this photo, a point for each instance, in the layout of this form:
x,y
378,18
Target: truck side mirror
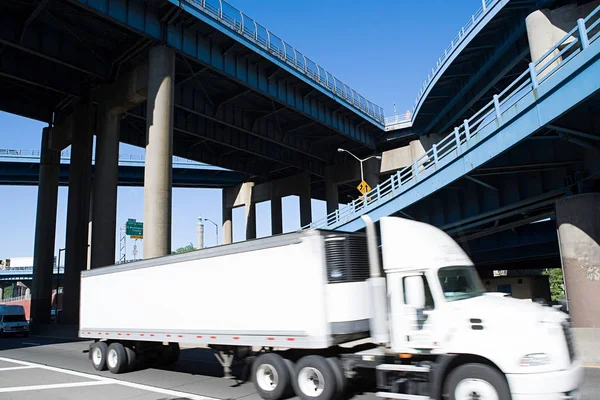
x,y
414,291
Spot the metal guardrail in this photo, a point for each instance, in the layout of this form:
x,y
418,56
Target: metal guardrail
x,y
26,271
248,28
449,149
66,155
486,5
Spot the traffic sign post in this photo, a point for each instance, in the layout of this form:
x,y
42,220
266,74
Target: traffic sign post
x,y
363,187
134,229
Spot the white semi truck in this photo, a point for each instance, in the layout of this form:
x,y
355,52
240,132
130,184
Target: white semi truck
x,y
288,305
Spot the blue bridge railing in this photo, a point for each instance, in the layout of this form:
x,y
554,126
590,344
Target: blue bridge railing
x,y
401,121
451,148
245,26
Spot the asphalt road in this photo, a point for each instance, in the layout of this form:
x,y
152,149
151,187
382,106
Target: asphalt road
x,y
53,369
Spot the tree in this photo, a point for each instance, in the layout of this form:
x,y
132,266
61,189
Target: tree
x,y
555,278
185,249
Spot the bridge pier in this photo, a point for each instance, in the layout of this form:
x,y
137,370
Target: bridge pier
x,y
159,152
76,253
578,221
45,231
276,215
106,176
546,27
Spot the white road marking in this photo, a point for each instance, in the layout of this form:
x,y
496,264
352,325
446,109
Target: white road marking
x,y
19,367
52,386
96,378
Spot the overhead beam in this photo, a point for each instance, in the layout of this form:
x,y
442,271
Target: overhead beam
x,y
573,132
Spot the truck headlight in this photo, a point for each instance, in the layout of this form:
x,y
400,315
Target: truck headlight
x,y
534,360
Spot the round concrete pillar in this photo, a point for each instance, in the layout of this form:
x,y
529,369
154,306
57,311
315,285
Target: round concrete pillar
x,y
578,221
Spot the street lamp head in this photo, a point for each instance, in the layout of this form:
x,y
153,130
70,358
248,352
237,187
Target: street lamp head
x,y
341,150
378,157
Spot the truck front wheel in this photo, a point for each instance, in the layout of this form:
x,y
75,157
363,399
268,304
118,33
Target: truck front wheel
x,y
476,381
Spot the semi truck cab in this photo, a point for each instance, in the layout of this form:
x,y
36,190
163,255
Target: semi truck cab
x,y
439,317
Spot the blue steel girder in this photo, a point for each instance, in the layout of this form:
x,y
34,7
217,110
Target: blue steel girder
x,y
562,91
52,44
191,123
466,91
27,174
193,100
528,242
190,38
27,68
520,181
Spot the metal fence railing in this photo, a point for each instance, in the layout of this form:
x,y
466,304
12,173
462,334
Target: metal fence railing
x,y
449,149
248,28
486,5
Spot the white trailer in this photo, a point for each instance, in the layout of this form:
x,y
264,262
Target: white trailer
x,y
284,304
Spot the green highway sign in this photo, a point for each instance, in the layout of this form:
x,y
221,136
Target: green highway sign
x,y
134,228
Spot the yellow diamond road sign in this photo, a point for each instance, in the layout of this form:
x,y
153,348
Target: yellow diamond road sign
x,y
364,187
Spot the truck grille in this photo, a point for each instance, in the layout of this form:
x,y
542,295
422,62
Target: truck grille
x,y
347,257
569,340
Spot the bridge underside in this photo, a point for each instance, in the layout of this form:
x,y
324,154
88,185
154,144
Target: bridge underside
x,y
233,108
494,211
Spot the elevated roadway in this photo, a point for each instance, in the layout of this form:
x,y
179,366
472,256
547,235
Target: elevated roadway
x,y
505,167
21,167
245,99
489,51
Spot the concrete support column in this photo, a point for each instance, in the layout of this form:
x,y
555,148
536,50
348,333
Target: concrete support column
x,y
546,27
250,220
159,153
76,253
578,221
104,205
45,231
332,196
276,216
371,172
305,202
227,220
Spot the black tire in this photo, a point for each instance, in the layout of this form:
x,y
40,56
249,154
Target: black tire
x,y
315,365
272,365
98,355
116,350
481,372
341,383
131,358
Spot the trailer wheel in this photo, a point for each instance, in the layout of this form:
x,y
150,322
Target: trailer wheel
x,y
116,358
272,375
131,358
341,383
98,356
314,379
476,381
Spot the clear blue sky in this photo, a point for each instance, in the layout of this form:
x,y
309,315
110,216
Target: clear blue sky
x,y
384,50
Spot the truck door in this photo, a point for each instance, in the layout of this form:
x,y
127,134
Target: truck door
x,y
412,307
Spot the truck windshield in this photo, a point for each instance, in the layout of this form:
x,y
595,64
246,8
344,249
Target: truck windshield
x,y
459,283
14,318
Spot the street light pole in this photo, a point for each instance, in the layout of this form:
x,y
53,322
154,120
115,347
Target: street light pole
x,y
362,178
215,224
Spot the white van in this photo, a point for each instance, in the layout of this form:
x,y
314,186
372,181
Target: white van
x,y
12,320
